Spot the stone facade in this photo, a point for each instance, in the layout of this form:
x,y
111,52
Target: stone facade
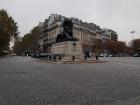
x,y
68,49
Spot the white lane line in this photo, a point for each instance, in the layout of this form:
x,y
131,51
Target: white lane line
x,y
126,64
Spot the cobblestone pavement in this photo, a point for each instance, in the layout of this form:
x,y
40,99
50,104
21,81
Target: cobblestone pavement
x,y
24,81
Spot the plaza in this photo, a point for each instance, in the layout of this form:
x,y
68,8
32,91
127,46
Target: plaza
x,y
27,81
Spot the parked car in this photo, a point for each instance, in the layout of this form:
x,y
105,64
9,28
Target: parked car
x,y
13,54
35,54
117,56
101,55
136,55
110,55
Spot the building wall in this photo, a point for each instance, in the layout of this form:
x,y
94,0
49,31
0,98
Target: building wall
x,y
86,33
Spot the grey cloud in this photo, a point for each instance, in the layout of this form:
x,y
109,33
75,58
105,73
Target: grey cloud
x,y
120,15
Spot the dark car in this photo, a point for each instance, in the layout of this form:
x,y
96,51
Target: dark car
x,y
35,55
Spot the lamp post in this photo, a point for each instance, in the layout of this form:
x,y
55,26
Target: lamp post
x,y
125,48
1,50
92,49
74,44
132,32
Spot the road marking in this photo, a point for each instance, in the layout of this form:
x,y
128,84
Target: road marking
x,y
126,64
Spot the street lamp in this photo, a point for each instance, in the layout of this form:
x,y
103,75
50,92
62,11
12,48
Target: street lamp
x,y
132,32
74,44
125,48
92,46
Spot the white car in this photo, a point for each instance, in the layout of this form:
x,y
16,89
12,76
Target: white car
x,y
101,55
110,55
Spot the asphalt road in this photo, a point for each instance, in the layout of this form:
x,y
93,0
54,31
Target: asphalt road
x,y
25,81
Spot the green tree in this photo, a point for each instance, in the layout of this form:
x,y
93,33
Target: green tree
x,y
8,30
17,46
29,42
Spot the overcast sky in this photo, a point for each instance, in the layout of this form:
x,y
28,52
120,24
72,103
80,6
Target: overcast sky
x,y
122,16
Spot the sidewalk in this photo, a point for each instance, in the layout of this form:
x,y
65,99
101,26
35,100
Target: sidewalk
x,y
74,62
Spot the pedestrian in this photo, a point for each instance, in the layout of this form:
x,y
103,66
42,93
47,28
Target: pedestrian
x,y
50,57
73,58
96,57
54,58
60,58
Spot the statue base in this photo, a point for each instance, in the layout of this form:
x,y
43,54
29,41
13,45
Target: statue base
x,y
68,50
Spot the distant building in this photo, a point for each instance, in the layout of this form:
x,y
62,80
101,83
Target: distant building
x,y
86,33
110,34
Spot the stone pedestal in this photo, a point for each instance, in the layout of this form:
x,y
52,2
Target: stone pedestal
x,y
68,49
